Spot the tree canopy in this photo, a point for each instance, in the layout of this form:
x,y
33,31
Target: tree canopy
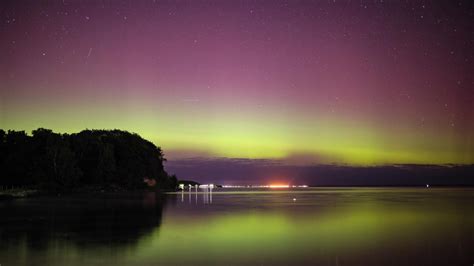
x,y
103,158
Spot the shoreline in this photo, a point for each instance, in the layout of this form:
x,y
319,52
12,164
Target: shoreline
x,y
18,193
30,193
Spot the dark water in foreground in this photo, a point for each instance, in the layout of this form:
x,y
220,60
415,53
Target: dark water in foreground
x,y
324,226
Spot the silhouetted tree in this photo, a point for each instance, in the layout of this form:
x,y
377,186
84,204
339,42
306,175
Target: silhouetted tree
x,y
16,158
54,163
91,157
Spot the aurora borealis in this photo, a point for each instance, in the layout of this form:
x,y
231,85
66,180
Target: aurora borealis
x,y
344,82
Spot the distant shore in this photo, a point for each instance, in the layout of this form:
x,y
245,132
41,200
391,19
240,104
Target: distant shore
x,y
18,193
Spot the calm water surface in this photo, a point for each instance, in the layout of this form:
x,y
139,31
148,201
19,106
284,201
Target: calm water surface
x,y
323,226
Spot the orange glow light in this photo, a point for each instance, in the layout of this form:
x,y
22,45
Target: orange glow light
x,y
278,186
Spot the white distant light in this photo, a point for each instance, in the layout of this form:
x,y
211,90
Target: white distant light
x,y
294,199
207,186
232,186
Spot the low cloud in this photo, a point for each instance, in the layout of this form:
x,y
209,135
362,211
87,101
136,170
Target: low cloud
x,y
262,171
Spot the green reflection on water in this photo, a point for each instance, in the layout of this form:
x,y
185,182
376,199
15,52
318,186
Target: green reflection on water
x,y
284,236
353,227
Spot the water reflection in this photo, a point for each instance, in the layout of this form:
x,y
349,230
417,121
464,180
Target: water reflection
x,y
300,227
99,220
205,192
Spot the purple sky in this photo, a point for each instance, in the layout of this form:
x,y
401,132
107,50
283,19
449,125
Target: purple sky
x,y
343,82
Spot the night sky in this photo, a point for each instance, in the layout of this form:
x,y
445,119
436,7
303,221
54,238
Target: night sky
x,y
305,82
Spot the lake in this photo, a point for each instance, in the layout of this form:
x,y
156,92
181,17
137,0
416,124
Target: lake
x,y
311,226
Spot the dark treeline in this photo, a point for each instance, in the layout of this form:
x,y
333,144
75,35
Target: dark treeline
x,y
100,158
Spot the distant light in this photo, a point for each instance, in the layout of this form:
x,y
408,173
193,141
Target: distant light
x,y
207,186
265,186
427,185
294,199
278,186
